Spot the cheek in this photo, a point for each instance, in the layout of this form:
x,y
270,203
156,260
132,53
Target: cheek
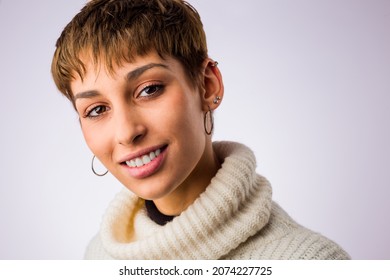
x,y
97,141
186,118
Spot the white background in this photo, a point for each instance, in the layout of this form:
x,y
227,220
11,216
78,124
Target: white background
x,y
306,87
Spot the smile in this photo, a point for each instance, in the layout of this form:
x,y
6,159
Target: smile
x,y
147,163
143,160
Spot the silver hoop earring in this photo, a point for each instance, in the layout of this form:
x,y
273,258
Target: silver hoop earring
x,y
208,117
93,169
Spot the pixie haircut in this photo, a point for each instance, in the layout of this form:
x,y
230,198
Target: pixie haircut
x,y
110,32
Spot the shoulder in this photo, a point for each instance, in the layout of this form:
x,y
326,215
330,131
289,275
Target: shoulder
x,y
303,243
283,238
95,250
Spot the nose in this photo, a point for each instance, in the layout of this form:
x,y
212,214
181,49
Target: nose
x,y
129,128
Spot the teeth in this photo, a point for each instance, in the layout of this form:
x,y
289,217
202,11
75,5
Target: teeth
x,y
145,159
138,162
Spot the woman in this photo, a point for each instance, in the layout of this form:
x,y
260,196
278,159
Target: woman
x,y
139,76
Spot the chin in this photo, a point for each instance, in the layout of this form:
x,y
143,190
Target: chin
x,y
150,191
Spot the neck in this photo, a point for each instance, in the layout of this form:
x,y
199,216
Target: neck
x,y
195,184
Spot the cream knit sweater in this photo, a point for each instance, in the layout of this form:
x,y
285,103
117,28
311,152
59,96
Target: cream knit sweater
x,y
235,218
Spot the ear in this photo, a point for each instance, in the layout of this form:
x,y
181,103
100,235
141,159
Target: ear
x,y
212,95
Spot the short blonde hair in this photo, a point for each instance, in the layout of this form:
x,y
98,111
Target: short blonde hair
x,y
114,31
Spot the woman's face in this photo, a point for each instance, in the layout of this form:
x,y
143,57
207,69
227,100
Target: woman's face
x,y
144,122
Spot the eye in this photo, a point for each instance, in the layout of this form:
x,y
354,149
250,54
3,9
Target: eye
x,y
150,90
96,111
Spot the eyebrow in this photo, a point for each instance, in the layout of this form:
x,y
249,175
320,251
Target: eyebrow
x,y
139,71
86,94
132,75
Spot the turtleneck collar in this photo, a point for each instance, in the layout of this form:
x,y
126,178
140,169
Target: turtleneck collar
x,y
155,214
234,207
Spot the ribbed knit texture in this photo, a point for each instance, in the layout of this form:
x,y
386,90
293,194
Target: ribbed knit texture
x,y
234,218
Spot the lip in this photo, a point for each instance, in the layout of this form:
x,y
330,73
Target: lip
x,y
149,168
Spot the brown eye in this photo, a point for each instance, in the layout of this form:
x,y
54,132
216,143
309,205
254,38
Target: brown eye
x,y
97,111
150,90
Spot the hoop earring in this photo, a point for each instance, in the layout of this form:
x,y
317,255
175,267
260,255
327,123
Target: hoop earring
x,y
93,169
208,115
